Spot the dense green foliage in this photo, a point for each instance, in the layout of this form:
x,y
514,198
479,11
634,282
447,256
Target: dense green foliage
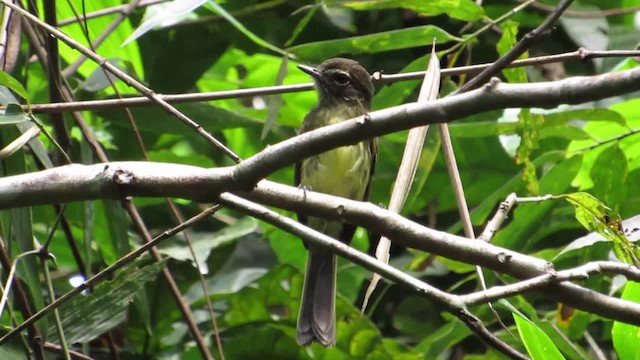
x,y
254,270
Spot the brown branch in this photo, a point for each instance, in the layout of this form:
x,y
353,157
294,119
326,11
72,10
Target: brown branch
x,y
518,49
588,14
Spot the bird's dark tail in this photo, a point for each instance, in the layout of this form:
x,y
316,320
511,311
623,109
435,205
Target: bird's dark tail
x,y
317,317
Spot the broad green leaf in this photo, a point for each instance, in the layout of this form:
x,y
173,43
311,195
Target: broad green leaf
x,y
13,349
594,237
270,341
12,114
13,84
562,118
538,344
591,33
596,216
204,243
609,175
481,129
88,316
442,339
626,336
565,132
459,9
373,43
505,44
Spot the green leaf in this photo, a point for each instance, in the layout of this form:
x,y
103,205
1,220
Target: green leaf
x,y
458,9
626,336
13,84
13,349
204,243
13,113
505,44
373,43
442,339
537,343
562,118
88,316
596,216
482,129
609,175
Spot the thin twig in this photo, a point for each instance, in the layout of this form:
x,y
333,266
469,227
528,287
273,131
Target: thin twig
x,y
501,215
578,273
589,14
108,11
518,49
126,78
379,78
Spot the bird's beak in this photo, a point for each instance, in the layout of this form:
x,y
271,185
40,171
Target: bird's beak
x,y
314,72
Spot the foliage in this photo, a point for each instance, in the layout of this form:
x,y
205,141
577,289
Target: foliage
x,y
253,270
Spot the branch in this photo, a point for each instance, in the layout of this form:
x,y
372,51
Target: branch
x,y
378,77
117,180
579,273
451,302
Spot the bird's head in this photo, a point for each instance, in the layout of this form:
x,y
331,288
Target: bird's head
x,y
341,80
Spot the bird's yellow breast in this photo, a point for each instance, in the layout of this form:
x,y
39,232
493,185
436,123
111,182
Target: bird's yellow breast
x,y
344,171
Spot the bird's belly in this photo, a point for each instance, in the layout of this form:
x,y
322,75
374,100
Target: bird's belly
x,y
342,172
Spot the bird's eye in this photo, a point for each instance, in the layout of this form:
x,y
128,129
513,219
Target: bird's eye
x,y
341,79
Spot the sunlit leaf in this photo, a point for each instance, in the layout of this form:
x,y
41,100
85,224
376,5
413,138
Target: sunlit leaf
x,y
626,336
460,9
13,84
538,344
596,216
373,43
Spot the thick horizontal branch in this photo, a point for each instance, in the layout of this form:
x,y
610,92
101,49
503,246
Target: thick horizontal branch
x,y
117,180
112,181
492,96
495,95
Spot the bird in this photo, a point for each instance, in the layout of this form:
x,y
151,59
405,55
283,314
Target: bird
x,y
345,91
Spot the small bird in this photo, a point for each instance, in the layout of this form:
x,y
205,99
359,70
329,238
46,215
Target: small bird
x,y
344,91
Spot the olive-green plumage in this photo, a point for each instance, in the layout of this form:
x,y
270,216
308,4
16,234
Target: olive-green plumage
x,y
344,92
